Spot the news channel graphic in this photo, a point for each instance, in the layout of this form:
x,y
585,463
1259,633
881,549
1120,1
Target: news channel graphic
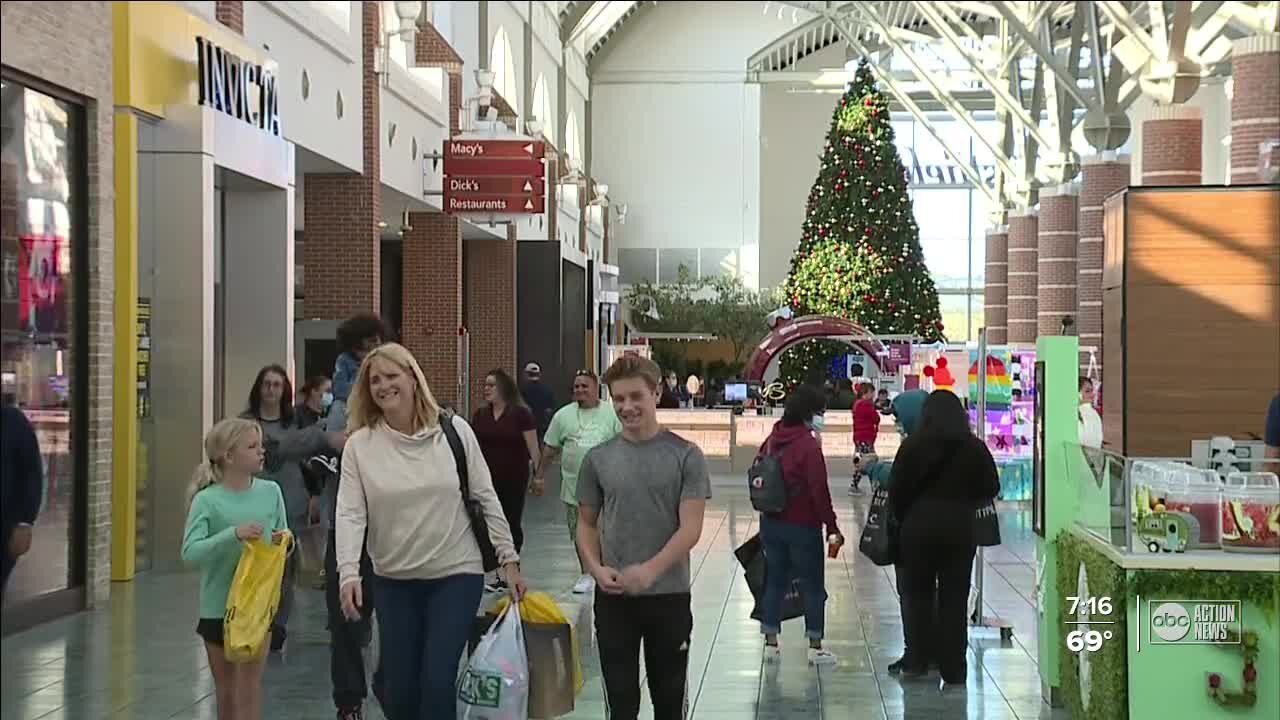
x,y
1083,614
1194,622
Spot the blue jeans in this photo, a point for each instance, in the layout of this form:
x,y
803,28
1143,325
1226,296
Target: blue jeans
x,y
423,627
793,552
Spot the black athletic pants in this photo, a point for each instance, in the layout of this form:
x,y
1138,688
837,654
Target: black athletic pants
x,y
915,656
511,495
663,624
949,569
347,638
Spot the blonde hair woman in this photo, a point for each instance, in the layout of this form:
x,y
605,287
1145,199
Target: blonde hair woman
x,y
228,505
400,482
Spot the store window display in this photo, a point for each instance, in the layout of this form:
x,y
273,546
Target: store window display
x,y
42,163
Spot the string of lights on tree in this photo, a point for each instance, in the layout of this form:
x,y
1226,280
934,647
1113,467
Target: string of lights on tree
x,y
859,254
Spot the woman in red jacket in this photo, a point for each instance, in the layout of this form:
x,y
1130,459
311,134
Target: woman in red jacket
x,y
793,539
866,426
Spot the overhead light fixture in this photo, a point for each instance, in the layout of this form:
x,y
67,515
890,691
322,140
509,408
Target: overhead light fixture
x,y
405,225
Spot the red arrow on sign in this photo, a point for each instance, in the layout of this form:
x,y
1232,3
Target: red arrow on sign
x,y
490,167
521,149
497,185
497,204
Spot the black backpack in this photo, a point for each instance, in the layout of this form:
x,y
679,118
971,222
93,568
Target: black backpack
x,y
766,484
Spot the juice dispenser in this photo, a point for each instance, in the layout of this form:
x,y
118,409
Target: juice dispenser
x,y
1197,492
1251,513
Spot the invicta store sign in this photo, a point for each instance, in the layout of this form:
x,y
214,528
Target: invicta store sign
x,y
242,89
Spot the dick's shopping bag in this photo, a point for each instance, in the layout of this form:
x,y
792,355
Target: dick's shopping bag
x,y
254,597
495,683
555,671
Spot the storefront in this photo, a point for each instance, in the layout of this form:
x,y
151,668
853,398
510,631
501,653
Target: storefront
x,y
44,344
205,181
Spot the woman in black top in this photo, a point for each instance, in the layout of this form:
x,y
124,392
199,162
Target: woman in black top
x,y
941,474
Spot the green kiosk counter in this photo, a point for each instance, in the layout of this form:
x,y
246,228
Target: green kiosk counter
x,y
1139,617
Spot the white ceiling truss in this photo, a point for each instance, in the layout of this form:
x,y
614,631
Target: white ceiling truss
x,y
1044,67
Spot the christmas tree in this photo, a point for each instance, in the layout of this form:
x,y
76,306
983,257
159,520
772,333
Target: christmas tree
x,y
859,255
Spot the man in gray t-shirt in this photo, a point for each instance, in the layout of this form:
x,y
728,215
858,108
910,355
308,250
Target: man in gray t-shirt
x,y
638,487
641,500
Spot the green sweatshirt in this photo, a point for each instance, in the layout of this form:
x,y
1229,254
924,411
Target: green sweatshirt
x,y
210,543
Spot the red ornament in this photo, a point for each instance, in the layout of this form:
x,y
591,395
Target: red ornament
x,y
1250,673
862,163
869,101
844,173
938,324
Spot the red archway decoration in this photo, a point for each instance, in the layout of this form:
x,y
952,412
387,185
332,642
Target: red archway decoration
x,y
811,327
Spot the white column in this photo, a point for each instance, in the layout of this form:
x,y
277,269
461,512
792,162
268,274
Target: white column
x,y
259,284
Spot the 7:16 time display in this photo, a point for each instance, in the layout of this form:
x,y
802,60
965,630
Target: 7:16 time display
x,y
1084,608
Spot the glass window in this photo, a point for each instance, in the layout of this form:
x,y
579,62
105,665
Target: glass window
x,y
670,260
955,317
943,217
637,265
42,167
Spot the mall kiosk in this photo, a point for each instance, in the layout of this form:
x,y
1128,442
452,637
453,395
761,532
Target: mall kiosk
x,y
1158,582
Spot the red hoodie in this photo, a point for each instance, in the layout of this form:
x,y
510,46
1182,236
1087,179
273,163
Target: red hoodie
x,y
866,421
804,470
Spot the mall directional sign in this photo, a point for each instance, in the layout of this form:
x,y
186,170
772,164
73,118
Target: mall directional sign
x,y
494,177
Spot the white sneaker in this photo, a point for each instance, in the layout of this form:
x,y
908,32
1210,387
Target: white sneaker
x,y
772,653
822,656
584,585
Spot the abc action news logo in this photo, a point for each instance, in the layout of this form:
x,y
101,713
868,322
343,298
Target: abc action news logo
x,y
1194,622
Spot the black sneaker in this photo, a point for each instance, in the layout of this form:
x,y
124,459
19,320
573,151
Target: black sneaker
x,y
904,667
278,636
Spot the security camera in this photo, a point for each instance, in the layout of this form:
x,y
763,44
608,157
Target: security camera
x,y
778,317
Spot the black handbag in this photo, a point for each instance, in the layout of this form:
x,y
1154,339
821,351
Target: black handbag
x,y
879,541
475,511
986,524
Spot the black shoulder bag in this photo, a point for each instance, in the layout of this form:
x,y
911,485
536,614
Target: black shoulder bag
x,y
475,511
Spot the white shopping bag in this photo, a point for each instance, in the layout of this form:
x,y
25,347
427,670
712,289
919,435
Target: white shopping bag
x,y
495,683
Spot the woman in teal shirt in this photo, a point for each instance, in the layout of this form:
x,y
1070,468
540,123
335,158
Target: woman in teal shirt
x,y
228,506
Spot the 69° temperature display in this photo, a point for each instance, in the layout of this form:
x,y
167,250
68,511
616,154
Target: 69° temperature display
x,y
1087,640
1084,611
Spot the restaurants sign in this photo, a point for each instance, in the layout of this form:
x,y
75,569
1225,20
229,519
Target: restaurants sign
x,y
240,88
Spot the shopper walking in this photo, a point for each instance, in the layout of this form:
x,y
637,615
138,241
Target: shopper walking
x,y
906,407
227,506
400,482
576,428
286,446
541,400
357,336
866,426
794,543
641,500
941,475
21,488
508,437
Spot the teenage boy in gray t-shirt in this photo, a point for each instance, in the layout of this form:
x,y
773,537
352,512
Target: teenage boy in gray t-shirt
x,y
641,498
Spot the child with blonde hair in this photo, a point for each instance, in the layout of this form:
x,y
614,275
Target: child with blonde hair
x,y
228,505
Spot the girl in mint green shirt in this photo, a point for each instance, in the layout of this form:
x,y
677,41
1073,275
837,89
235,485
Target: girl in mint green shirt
x,y
229,506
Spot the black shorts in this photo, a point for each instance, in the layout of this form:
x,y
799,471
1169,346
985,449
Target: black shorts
x,y
211,630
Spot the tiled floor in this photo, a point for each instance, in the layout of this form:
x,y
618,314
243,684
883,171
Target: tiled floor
x,y
139,658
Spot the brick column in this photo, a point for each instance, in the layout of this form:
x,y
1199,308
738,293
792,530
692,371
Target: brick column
x,y
491,307
1171,139
1102,175
1056,261
995,287
341,212
1255,103
432,305
1023,250
231,14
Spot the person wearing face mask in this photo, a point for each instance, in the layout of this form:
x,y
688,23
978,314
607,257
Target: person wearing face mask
x,y
319,470
793,539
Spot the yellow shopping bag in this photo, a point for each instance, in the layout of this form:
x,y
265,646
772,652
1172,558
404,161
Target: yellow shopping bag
x,y
254,597
539,608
